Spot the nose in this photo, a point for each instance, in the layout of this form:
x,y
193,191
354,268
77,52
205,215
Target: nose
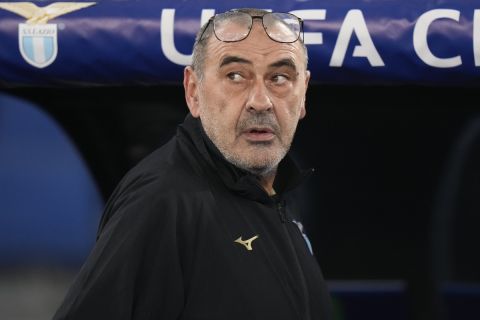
x,y
259,99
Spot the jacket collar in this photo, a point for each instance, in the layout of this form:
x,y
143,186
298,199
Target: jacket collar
x,y
288,177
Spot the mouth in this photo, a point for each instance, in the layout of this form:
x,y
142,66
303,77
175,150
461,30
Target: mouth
x,y
259,134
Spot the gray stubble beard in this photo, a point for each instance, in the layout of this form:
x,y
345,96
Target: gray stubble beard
x,y
259,119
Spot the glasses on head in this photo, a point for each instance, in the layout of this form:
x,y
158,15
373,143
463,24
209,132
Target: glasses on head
x,y
233,26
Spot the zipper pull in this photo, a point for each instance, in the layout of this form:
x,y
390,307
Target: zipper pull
x,y
281,211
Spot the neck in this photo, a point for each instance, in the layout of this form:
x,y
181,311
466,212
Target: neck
x,y
266,181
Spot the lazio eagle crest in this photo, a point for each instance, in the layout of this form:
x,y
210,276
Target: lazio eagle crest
x,y
37,39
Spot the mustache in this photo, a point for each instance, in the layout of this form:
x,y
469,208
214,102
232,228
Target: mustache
x,y
259,120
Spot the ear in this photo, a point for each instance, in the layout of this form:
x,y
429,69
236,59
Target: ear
x,y
190,85
303,111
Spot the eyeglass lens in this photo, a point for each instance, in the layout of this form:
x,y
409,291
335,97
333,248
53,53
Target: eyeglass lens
x,y
235,26
281,27
232,26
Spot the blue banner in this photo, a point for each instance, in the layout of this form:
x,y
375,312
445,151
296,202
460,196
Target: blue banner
x,y
148,42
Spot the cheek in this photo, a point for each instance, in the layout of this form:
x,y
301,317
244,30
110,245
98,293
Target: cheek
x,y
289,116
221,112
291,108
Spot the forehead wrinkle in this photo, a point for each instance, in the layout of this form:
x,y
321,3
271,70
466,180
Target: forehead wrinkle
x,y
252,55
257,43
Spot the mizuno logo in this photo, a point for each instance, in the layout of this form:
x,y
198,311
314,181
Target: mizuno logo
x,y
37,38
247,243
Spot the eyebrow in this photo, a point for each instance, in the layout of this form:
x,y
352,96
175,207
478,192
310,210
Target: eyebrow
x,y
233,59
284,63
278,64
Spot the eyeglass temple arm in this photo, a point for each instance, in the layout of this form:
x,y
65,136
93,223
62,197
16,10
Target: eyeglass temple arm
x,y
205,29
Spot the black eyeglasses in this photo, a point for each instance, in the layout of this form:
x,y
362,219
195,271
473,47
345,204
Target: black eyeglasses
x,y
232,26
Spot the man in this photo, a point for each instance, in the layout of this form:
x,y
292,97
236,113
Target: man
x,y
201,229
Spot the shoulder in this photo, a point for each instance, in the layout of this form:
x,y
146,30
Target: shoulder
x,y
164,186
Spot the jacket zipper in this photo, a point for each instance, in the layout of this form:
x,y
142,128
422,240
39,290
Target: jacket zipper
x,y
279,203
300,306
281,211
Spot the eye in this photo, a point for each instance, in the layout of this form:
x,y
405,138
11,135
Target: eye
x,y
279,79
235,76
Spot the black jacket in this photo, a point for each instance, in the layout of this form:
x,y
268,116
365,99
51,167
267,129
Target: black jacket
x,y
166,244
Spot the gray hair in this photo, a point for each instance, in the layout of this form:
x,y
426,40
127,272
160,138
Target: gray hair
x,y
205,33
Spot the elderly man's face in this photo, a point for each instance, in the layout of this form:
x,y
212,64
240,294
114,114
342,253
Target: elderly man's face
x,y
251,98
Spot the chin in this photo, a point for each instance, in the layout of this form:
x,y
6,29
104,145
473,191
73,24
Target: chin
x,y
263,166
262,171
258,159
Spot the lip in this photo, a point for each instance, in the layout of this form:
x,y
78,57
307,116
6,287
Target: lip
x,y
259,134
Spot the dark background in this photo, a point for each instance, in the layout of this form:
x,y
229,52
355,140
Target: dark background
x,y
383,160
